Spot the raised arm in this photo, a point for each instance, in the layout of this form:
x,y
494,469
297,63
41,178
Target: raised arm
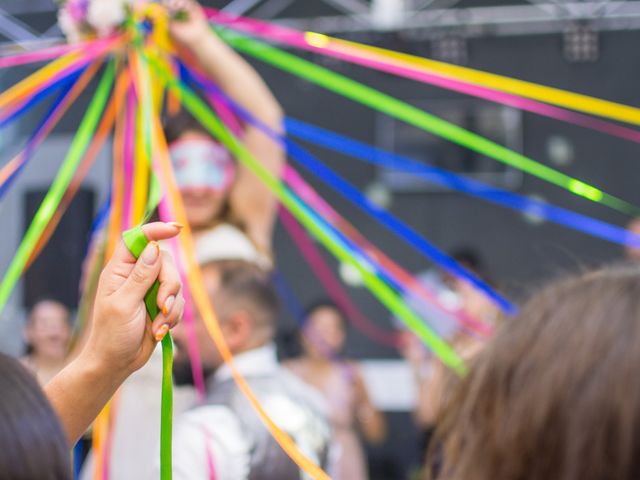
x,y
251,201
122,338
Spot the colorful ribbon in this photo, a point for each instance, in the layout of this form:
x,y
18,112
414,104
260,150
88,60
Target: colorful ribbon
x,y
56,192
13,168
443,178
465,80
386,295
423,120
48,53
305,192
83,168
200,295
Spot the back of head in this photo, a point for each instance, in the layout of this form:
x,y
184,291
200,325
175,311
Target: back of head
x,y
555,395
33,445
245,287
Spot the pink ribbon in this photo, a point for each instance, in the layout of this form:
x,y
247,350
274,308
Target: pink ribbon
x,y
45,54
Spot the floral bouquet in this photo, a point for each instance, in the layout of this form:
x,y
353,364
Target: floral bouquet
x,y
82,19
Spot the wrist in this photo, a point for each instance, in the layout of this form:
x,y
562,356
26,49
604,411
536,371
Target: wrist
x,y
98,368
198,39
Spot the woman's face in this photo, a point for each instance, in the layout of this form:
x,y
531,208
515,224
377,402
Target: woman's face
x,y
48,331
324,334
205,173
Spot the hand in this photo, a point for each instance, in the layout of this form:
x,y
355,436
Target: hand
x,y
191,29
412,349
122,336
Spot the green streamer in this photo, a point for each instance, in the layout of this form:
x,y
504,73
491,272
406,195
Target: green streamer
x,y
56,191
403,111
136,241
381,290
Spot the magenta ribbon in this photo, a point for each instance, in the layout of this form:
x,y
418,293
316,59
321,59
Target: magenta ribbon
x,y
47,53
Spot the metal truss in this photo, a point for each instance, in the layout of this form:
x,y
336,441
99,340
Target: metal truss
x,y
433,18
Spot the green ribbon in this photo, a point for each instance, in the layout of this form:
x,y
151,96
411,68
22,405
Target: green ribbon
x,y
386,295
136,241
414,116
52,200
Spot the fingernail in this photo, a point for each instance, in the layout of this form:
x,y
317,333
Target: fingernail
x,y
151,253
179,226
162,332
168,303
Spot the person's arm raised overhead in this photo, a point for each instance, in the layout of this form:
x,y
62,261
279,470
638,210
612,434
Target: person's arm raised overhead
x,y
121,337
251,201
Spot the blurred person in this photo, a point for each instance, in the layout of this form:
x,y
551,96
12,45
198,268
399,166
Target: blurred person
x,y
217,191
632,254
47,334
342,385
37,429
554,396
225,438
444,286
432,378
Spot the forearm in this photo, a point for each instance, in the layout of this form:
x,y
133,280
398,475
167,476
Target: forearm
x,y
80,391
236,78
372,424
430,386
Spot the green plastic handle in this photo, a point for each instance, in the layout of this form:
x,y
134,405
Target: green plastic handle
x,y
136,241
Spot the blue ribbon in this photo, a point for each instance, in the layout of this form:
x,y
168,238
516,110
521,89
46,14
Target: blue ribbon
x,y
444,178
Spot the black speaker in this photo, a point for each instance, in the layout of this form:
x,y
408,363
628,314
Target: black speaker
x,y
56,272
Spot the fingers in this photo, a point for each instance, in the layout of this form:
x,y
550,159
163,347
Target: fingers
x,y
170,300
123,259
143,274
163,323
161,231
180,5
170,284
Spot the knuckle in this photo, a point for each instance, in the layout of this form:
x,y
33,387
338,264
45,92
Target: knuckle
x,y
138,275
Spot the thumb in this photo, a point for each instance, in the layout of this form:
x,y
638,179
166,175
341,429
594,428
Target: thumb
x,y
144,273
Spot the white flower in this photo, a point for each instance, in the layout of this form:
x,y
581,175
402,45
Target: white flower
x,y
105,15
69,26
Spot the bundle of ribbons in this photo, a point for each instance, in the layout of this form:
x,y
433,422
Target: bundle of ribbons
x,y
141,74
